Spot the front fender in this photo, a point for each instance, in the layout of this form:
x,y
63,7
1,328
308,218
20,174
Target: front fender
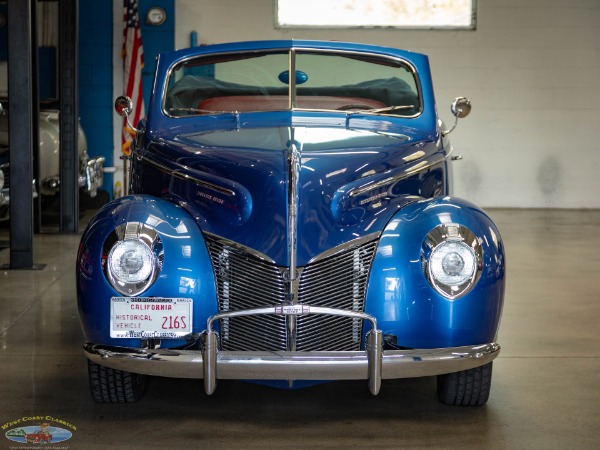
x,y
408,309
186,269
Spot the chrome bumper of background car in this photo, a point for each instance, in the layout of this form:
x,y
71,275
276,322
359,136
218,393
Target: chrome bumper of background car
x,y
5,198
91,177
283,365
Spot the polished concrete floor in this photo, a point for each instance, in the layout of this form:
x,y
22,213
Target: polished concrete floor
x,y
545,393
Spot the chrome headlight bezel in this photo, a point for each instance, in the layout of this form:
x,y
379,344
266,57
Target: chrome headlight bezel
x,y
136,237
452,239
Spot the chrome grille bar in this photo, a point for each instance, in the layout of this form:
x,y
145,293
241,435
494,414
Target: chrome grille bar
x,y
293,161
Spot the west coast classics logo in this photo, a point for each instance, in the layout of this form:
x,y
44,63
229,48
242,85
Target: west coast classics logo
x,y
38,430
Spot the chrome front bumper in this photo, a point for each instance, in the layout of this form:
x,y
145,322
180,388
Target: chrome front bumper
x,y
372,364
282,365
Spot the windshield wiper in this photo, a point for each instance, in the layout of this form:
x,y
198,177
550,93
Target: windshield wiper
x,y
198,110
381,110
235,114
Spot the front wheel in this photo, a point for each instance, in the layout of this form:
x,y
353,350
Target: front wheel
x,y
466,388
115,386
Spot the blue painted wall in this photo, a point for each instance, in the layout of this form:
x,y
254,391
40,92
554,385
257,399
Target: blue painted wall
x,y
96,69
155,39
96,80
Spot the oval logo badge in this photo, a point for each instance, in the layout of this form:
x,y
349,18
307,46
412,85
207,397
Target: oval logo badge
x,y
40,434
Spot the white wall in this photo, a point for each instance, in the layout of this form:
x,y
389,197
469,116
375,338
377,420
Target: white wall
x,y
532,70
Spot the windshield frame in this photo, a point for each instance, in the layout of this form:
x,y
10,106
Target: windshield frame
x,y
375,58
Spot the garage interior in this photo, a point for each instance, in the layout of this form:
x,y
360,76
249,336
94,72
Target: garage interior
x,y
531,158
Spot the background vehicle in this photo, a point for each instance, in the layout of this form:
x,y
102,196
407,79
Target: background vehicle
x,y
91,170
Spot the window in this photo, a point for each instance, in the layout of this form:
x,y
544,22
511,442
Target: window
x,y
450,14
261,81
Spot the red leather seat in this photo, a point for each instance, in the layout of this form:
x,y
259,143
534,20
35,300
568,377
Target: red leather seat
x,y
243,103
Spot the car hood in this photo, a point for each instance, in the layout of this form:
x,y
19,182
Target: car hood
x,y
236,183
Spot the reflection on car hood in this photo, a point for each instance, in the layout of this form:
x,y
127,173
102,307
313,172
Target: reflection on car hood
x,y
350,182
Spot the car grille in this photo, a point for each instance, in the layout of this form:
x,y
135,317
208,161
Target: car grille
x,y
246,281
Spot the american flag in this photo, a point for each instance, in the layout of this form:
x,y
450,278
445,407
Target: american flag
x,y
133,55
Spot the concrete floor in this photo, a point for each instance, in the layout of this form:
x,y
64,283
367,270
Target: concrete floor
x,y
545,394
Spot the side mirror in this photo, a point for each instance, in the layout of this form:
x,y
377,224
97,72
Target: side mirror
x,y
123,106
460,107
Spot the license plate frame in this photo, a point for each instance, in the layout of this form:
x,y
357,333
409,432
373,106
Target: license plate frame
x,y
150,317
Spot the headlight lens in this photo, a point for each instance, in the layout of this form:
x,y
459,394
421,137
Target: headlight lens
x,y
133,255
130,261
452,259
452,263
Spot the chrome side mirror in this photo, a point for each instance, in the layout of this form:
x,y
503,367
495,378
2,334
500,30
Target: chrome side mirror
x,y
124,107
460,107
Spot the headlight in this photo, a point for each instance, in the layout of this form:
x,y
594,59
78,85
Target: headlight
x,y
452,258
133,255
452,263
130,262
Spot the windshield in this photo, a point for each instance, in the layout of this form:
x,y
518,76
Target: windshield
x,y
261,82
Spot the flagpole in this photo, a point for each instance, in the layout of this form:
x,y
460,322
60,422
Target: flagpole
x,y
125,175
133,62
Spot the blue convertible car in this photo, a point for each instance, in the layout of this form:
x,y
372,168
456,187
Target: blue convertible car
x,y
291,222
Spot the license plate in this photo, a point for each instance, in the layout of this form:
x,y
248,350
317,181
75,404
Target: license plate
x,y
150,318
